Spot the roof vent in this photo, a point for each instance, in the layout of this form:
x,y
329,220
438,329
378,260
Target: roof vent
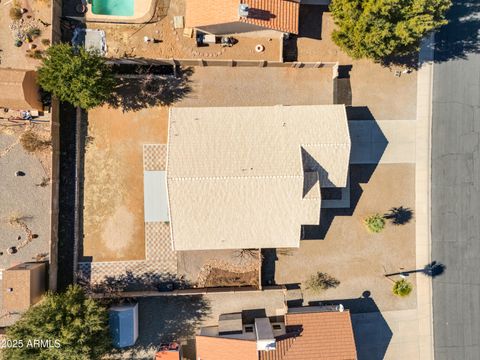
x,y
243,10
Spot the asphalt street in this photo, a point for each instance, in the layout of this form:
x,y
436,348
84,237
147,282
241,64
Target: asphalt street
x,y
456,185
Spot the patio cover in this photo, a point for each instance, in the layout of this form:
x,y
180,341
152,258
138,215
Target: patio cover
x,y
155,196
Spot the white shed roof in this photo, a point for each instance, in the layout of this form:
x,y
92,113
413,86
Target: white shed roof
x,y
155,196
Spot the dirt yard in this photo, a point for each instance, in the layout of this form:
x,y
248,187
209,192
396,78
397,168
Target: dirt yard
x,y
387,96
38,14
113,214
344,249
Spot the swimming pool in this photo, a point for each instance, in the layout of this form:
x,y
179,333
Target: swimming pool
x,y
113,7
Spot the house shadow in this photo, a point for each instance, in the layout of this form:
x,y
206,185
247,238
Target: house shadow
x,y
310,21
165,319
371,331
368,145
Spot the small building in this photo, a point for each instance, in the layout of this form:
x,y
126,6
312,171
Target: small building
x,y
239,16
23,286
123,322
317,332
19,90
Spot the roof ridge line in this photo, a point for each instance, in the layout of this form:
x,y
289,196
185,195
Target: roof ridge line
x,y
232,177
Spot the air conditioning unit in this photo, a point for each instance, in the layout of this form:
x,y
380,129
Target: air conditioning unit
x,y
243,10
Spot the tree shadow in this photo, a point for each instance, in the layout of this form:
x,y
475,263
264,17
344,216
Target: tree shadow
x,y
144,90
460,36
129,281
165,319
399,215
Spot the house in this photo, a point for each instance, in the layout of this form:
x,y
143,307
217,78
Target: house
x,y
23,286
317,332
250,177
239,16
19,90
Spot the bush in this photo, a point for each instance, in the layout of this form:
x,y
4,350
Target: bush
x,y
32,143
15,13
402,288
379,29
79,326
34,32
75,75
45,42
375,223
321,281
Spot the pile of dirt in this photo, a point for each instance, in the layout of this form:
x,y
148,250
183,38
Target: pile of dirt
x,y
224,278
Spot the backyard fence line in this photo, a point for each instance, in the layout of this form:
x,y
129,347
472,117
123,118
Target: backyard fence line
x,y
54,194
220,62
78,175
188,292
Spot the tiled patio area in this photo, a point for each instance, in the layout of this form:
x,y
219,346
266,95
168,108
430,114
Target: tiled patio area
x,y
160,259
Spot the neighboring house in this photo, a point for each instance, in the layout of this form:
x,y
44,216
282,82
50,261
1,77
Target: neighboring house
x,y
23,286
239,16
250,177
19,90
302,334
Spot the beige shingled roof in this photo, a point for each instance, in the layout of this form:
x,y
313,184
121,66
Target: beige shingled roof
x,y
281,15
235,176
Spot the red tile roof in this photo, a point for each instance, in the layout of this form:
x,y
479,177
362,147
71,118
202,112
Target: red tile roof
x,y
218,348
281,15
322,336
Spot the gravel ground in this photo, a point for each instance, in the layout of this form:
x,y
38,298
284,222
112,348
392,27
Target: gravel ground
x,y
20,196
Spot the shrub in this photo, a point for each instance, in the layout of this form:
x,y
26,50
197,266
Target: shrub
x,y
76,75
378,29
34,32
375,223
15,13
321,281
78,324
32,143
402,288
45,42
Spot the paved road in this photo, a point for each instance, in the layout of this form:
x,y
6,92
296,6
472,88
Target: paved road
x,y
456,186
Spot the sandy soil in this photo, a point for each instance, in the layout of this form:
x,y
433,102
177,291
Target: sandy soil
x,y
357,258
113,215
387,96
23,197
15,57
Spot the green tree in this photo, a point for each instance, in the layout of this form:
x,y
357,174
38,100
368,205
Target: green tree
x,y
378,29
75,75
79,324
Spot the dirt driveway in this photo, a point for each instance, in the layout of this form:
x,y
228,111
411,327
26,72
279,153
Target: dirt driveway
x,y
254,86
113,213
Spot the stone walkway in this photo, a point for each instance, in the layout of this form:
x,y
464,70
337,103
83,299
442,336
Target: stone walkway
x,y
160,259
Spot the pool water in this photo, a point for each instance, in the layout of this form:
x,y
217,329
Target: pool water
x,y
113,7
